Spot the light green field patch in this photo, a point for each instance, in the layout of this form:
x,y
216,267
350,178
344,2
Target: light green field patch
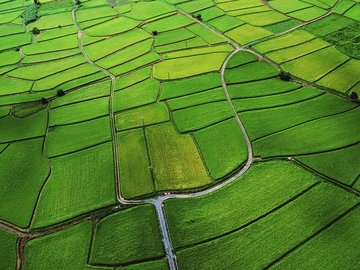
x,y
317,64
182,45
66,139
9,58
197,117
133,78
234,5
146,10
250,72
64,76
112,27
173,36
142,116
139,94
290,53
340,164
84,93
74,187
58,44
285,6
263,18
205,50
194,6
216,94
225,23
135,170
139,62
103,48
14,41
47,57
308,14
223,147
191,66
247,33
79,112
94,13
168,23
127,54
38,71
52,21
290,39
344,77
319,135
9,86
188,86
298,95
56,33
206,34
175,159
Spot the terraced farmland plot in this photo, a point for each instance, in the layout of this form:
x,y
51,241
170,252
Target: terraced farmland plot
x,y
168,134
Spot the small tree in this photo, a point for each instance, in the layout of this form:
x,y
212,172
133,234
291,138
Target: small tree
x,y
78,2
199,17
155,33
44,101
35,31
37,2
284,76
17,49
354,96
60,93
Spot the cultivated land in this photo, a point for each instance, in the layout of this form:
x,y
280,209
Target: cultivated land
x,y
178,134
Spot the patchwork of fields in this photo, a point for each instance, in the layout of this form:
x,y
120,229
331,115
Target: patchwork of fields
x,y
179,134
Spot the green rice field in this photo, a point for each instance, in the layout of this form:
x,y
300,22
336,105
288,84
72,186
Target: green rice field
x,y
179,134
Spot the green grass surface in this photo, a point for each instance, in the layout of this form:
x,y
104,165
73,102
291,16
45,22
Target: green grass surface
x,y
340,165
188,86
23,128
175,160
66,139
7,250
142,116
265,186
261,88
79,112
263,122
223,147
272,236
139,94
317,64
250,72
74,188
135,171
43,252
335,248
195,65
135,234
283,99
213,95
324,134
21,185
194,118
